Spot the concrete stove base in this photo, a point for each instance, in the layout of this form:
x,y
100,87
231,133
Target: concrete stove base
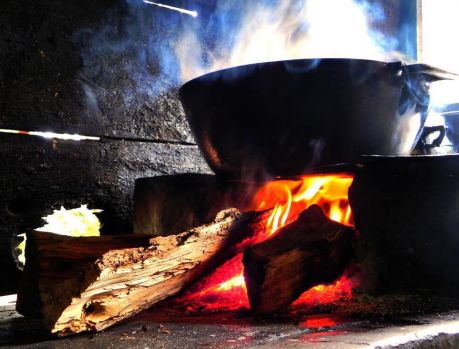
x,y
238,330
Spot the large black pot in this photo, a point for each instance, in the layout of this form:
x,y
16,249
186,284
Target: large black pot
x,y
279,118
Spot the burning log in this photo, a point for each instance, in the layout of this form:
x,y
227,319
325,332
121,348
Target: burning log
x,y
310,251
88,284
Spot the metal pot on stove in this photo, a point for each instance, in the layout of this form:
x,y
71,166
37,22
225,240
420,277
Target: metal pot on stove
x,y
281,118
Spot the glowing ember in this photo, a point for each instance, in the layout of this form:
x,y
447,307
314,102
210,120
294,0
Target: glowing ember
x,y
237,281
225,288
318,322
325,294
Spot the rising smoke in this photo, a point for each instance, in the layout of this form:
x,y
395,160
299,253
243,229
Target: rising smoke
x,y
282,30
157,48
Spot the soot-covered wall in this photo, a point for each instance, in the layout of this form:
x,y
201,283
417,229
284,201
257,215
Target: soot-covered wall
x,y
81,66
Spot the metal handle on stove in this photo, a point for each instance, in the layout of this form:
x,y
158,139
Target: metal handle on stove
x,y
428,72
415,95
424,146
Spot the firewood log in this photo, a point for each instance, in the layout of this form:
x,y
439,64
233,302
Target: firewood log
x,y
88,284
310,251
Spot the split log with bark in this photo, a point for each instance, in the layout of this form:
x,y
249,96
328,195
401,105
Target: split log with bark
x,y
88,284
310,251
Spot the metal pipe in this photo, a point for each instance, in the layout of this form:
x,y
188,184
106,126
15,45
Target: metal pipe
x,y
77,137
173,8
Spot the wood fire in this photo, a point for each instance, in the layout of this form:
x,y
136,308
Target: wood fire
x,y
225,288
285,224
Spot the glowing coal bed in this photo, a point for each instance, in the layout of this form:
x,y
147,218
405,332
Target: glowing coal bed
x,y
225,289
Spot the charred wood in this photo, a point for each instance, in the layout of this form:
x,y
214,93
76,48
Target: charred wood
x,y
310,251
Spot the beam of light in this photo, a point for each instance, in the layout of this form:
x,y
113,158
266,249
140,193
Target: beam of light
x,y
51,135
439,21
416,334
8,300
181,10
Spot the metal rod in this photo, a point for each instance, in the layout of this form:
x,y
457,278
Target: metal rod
x,y
173,8
77,137
50,135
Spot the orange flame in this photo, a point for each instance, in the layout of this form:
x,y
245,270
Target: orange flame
x,y
290,197
237,281
225,288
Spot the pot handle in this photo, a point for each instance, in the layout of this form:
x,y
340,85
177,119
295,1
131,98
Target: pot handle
x,y
422,146
428,130
429,72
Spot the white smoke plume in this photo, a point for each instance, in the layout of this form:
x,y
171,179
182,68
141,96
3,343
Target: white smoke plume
x,y
288,30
